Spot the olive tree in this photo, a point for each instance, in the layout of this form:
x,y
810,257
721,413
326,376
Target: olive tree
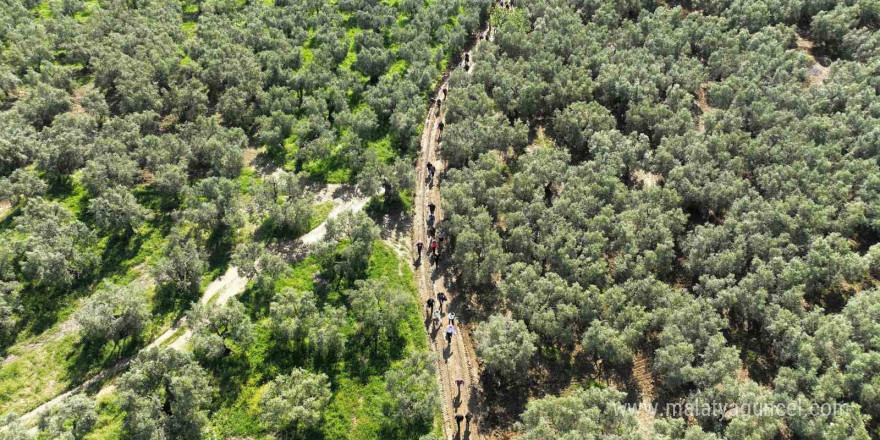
x,y
164,394
114,313
413,390
506,347
219,329
182,266
585,413
71,420
295,402
117,211
378,306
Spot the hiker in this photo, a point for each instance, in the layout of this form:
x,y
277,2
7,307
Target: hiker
x,y
437,318
467,420
431,231
450,330
458,419
419,247
431,171
451,318
441,298
431,207
458,383
430,304
434,247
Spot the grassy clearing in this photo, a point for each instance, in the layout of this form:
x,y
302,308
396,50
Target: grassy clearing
x,y
320,213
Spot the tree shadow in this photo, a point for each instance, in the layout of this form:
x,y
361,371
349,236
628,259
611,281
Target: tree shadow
x,y
232,373
92,356
169,300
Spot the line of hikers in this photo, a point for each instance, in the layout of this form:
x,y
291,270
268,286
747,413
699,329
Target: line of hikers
x,y
437,315
434,252
437,239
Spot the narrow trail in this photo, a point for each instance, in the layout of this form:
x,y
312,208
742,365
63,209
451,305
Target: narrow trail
x,y
458,360
218,292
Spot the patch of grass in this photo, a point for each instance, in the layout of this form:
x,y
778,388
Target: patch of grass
x,y
43,10
34,372
110,415
382,148
320,212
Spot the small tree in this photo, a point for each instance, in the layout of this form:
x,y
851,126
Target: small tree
x,y
293,313
117,211
506,346
164,395
378,307
20,185
114,314
590,413
355,234
219,329
182,266
413,389
11,428
296,401
70,421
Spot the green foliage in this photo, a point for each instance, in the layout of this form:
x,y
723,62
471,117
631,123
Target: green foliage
x,y
413,390
218,330
586,413
113,314
379,307
165,395
678,183
506,347
295,402
72,421
56,250
117,211
183,265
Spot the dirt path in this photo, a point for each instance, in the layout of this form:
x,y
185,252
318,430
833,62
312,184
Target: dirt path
x,y
458,360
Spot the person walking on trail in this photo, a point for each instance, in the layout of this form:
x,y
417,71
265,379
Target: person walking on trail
x,y
437,318
434,247
430,305
467,420
431,171
450,330
431,220
431,207
419,247
431,231
441,298
458,383
458,419
451,318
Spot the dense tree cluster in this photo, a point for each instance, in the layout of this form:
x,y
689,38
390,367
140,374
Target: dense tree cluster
x,y
150,106
128,129
681,180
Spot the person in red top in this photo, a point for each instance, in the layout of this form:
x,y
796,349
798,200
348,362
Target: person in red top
x,y
434,247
